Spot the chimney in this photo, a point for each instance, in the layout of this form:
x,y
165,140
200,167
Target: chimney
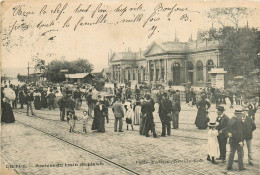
x,y
140,51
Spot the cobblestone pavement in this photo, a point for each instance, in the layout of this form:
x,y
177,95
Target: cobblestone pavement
x,y
37,153
182,153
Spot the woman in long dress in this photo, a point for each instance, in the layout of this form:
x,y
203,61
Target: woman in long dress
x,y
201,120
7,115
137,113
37,100
7,96
100,113
44,99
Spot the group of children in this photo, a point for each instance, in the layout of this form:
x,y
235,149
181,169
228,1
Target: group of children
x,y
72,118
129,114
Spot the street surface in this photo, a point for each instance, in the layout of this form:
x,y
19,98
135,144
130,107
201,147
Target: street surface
x,y
184,152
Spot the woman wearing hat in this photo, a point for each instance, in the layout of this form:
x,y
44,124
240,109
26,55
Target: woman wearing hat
x,y
37,100
100,113
201,120
7,114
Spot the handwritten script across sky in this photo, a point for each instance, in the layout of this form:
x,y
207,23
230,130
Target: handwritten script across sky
x,y
82,16
54,29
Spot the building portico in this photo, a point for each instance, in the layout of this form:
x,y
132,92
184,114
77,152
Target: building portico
x,y
179,62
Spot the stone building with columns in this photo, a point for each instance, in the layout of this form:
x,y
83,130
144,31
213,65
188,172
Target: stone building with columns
x,y
179,62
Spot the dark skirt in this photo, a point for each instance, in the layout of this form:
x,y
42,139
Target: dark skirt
x,y
37,103
7,113
44,102
202,120
98,124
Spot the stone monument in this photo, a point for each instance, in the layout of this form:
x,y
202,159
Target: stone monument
x,y
217,77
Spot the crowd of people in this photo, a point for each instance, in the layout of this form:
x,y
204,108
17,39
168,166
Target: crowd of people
x,y
137,108
237,131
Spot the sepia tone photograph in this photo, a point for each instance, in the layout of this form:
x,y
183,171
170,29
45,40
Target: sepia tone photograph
x,y
130,87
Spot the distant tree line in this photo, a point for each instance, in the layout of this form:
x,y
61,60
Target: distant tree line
x,y
239,45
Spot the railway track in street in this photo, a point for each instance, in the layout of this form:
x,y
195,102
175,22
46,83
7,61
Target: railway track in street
x,y
130,171
57,122
81,148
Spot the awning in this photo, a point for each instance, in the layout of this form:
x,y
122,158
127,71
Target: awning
x,y
78,75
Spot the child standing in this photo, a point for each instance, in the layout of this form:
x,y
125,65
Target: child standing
x,y
129,115
213,146
85,119
72,117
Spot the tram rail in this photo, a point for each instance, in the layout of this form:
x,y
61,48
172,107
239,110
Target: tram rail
x,y
130,171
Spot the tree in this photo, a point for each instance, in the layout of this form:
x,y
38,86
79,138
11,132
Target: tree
x,y
81,65
54,73
229,16
238,49
239,44
39,65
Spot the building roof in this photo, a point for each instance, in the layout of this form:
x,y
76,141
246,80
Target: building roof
x,y
123,56
105,70
169,47
77,75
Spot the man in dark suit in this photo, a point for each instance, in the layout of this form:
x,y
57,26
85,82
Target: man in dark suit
x,y
62,105
248,128
51,96
165,110
223,120
147,110
176,111
252,110
29,100
235,133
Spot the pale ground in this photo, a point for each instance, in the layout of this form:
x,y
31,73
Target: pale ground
x,y
182,153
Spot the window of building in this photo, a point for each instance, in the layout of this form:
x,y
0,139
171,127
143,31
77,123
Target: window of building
x,y
151,74
176,73
210,65
133,75
157,74
199,66
163,72
129,75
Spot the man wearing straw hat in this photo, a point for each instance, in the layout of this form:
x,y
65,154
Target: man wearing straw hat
x,y
235,133
248,127
222,129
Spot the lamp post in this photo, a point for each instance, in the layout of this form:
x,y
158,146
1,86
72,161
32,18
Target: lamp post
x,y
28,73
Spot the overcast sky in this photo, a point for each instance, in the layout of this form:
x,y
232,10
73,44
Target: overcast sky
x,y
95,42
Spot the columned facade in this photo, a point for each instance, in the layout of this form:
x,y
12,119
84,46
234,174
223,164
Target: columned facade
x,y
161,63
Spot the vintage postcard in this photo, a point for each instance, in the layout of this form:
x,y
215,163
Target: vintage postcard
x,y
130,87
